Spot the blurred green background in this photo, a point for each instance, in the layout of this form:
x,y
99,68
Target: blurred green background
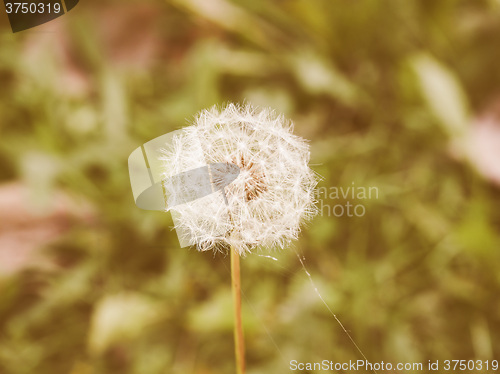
x,y
398,95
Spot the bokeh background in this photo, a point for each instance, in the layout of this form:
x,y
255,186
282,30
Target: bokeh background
x,y
399,95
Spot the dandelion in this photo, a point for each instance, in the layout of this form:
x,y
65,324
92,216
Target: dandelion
x,y
267,203
273,194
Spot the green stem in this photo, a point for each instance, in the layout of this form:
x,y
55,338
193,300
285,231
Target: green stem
x,y
239,343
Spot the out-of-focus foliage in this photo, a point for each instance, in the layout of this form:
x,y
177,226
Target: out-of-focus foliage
x,y
386,92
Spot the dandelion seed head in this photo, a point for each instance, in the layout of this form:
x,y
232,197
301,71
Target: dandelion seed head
x,y
273,194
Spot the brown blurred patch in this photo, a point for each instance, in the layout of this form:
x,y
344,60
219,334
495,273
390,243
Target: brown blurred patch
x,y
131,34
25,229
128,36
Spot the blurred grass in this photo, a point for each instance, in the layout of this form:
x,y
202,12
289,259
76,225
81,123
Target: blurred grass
x,y
381,89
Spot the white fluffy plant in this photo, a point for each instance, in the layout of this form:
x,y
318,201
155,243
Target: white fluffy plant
x,y
266,204
271,197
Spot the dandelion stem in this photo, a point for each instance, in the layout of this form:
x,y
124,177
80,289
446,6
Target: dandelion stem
x,y
239,343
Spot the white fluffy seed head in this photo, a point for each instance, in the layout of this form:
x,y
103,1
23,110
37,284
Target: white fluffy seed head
x,y
269,200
